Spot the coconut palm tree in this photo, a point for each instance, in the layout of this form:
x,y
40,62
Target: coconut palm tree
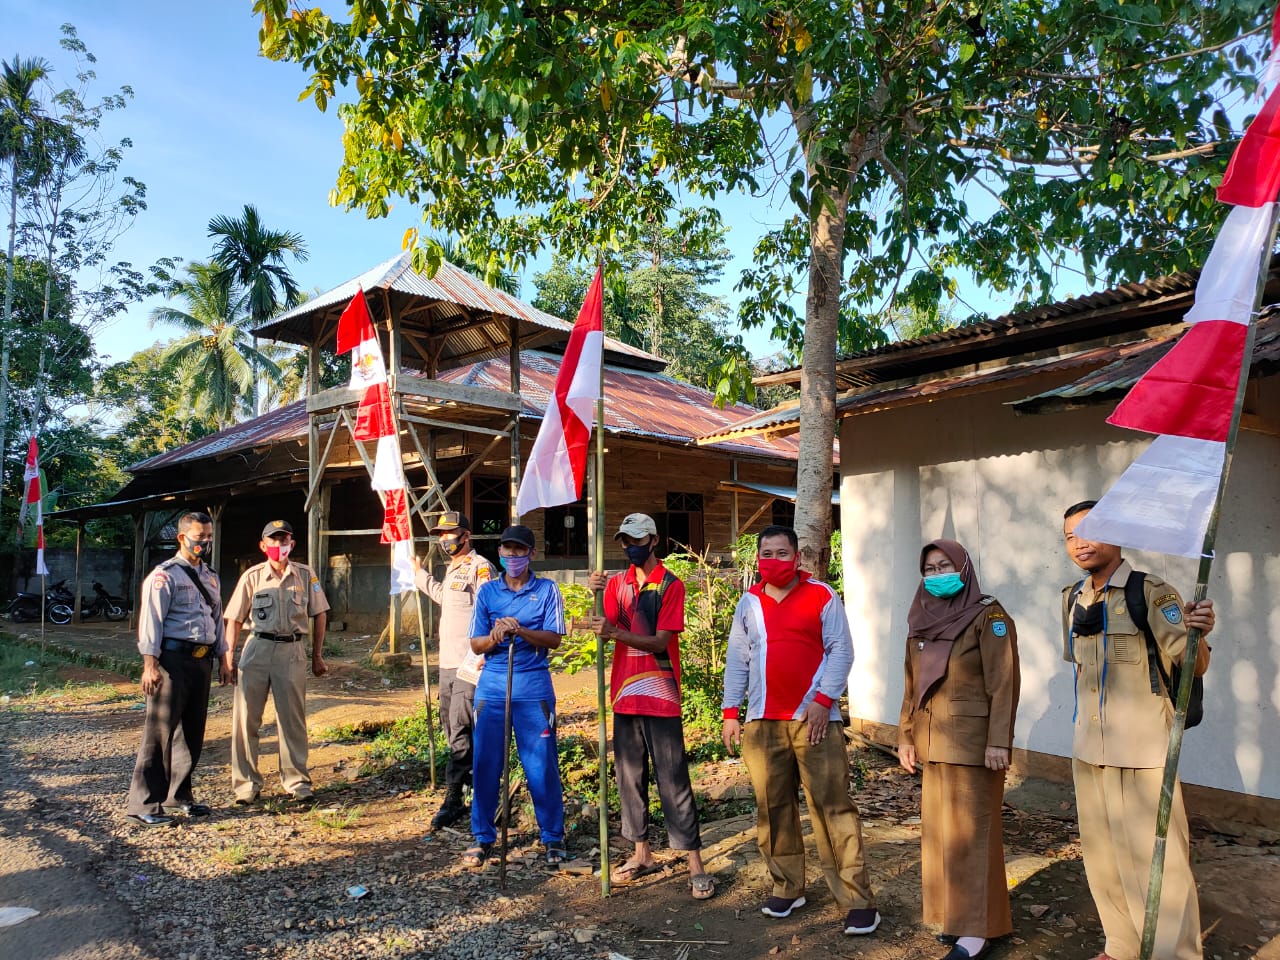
x,y
216,360
250,256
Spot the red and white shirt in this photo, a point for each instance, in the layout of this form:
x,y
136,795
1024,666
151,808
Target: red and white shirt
x,y
641,683
784,655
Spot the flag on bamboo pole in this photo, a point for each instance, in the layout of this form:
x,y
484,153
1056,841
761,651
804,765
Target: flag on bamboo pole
x,y
1164,501
35,495
374,421
558,463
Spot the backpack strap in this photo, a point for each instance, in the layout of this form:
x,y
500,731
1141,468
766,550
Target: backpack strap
x,y
1135,597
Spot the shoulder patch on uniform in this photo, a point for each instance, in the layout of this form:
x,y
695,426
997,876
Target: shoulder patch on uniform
x,y
999,627
1172,612
987,601
483,573
159,576
1167,598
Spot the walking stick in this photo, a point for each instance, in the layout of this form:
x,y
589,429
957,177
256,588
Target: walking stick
x,y
426,681
506,764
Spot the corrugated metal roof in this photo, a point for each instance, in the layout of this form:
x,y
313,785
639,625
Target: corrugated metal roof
x,y
466,319
784,420
637,403
1131,362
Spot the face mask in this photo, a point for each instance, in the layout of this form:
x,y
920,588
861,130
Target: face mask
x,y
637,555
200,549
777,573
944,584
279,551
515,566
451,546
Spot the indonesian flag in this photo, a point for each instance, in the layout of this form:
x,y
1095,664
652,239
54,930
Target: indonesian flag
x,y
31,477
1164,501
375,422
558,464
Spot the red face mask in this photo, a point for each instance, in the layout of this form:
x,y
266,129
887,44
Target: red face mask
x,y
776,573
278,551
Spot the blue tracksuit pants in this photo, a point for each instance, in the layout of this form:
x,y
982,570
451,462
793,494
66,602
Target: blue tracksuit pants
x,y
533,723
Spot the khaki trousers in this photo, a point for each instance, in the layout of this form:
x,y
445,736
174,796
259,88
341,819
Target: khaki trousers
x,y
780,760
961,851
1117,808
281,670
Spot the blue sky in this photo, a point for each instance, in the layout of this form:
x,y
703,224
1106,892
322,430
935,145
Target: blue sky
x,y
215,126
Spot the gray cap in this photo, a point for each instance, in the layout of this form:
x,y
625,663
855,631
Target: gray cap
x,y
637,525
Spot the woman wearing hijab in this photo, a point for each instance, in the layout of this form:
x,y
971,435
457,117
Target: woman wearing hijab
x,y
958,707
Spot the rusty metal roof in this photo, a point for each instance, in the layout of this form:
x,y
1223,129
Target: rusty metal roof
x,y
449,320
1129,364
637,403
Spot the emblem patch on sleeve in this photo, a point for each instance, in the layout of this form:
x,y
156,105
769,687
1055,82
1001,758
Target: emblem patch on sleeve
x,y
1172,612
999,628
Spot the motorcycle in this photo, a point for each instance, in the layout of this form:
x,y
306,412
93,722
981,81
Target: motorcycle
x,y
58,605
103,605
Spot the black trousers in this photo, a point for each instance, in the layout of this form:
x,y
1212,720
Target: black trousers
x,y
457,716
172,734
636,740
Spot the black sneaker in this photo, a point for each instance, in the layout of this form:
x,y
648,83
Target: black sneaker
x,y
782,906
451,811
861,922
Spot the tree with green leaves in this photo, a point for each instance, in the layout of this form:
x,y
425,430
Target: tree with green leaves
x,y
251,256
917,142
216,361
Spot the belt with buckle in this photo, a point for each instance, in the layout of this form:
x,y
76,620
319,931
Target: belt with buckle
x,y
190,647
281,637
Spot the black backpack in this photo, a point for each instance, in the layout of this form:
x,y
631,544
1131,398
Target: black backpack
x,y
1135,598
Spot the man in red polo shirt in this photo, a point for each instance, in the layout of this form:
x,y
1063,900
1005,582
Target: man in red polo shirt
x,y
644,614
789,657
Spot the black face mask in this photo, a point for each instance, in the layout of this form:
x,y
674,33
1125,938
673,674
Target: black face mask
x,y
638,554
1089,621
201,549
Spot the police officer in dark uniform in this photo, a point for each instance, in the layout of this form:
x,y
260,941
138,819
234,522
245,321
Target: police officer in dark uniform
x,y
180,634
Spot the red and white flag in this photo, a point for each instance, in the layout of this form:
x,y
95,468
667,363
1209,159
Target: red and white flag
x,y
1163,502
558,463
35,496
375,422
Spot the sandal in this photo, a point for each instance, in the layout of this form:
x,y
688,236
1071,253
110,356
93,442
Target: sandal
x,y
477,855
556,854
633,870
702,886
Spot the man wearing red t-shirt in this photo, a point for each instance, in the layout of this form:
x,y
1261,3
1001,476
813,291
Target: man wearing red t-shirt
x,y
789,656
644,614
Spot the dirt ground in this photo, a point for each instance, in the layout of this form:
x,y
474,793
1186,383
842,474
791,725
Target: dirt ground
x,y
1237,867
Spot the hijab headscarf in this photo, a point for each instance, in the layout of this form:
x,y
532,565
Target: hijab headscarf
x,y
938,621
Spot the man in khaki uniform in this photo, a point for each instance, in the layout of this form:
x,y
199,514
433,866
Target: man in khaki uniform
x,y
1121,737
459,667
279,599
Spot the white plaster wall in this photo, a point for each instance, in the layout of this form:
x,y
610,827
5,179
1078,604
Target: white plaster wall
x,y
971,470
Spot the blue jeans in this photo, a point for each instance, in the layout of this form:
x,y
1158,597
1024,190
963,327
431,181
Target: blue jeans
x,y
533,722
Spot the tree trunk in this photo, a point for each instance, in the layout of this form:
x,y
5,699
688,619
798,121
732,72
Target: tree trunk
x,y
829,209
8,318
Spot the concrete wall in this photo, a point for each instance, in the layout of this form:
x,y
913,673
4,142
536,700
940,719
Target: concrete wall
x,y
971,470
112,567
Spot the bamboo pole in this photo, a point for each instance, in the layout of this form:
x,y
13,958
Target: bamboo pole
x,y
1170,781
598,542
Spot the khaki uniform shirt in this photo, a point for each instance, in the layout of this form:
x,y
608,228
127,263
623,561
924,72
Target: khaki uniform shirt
x,y
1130,727
456,595
974,705
277,604
173,607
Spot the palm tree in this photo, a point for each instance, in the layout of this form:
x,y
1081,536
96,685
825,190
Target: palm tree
x,y
20,114
216,360
251,257
504,280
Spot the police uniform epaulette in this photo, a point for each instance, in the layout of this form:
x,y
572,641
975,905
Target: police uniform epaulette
x,y
987,601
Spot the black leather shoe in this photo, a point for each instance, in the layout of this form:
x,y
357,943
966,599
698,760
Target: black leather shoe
x,y
946,938
192,809
151,819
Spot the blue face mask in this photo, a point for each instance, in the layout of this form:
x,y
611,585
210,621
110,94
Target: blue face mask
x,y
516,566
944,584
638,554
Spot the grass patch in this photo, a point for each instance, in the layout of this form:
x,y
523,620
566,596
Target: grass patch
x,y
26,674
359,732
334,648
341,817
406,741
231,855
